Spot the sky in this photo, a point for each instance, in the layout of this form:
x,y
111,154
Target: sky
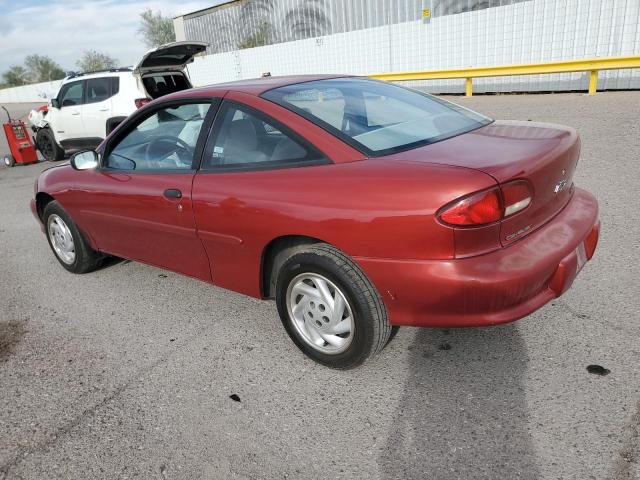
x,y
63,29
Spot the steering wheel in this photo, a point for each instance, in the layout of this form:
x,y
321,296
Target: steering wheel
x,y
157,155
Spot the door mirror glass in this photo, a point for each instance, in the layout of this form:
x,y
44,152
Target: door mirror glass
x,y
84,160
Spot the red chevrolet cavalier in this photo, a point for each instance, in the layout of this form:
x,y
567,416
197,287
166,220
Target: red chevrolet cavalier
x,y
358,205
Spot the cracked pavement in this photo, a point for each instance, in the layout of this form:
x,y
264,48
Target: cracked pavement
x,y
127,372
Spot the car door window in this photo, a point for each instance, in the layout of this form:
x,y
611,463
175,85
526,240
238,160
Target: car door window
x,y
165,140
246,139
98,89
72,94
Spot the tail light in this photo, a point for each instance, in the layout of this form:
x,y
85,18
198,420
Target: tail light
x,y
517,197
487,206
477,209
141,102
592,241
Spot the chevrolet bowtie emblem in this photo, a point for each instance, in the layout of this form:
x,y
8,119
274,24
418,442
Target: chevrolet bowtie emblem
x,y
560,186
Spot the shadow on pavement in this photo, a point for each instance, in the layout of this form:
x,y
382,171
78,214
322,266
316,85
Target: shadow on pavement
x,y
463,412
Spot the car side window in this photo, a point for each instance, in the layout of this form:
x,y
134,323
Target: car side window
x,y
165,140
98,89
72,94
246,139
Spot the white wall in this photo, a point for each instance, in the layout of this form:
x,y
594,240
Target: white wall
x,y
38,92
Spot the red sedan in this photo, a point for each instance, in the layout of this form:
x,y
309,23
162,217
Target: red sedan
x,y
358,205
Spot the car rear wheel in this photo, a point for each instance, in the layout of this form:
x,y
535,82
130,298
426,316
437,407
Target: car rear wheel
x,y
48,146
67,243
329,307
9,161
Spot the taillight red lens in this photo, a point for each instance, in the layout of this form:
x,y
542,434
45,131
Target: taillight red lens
x,y
141,102
592,241
517,197
478,209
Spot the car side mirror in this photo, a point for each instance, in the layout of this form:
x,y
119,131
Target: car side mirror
x,y
85,160
55,103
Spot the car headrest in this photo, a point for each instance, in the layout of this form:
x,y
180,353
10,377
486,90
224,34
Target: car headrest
x,y
98,92
243,133
287,149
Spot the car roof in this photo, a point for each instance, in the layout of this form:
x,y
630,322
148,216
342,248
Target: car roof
x,y
104,73
253,86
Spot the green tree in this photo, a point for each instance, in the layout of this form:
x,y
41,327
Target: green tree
x,y
93,61
41,68
15,76
155,29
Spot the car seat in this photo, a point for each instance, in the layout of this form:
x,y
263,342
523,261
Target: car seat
x,y
241,145
287,149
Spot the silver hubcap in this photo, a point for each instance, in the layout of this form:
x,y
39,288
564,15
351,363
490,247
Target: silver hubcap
x,y
320,313
7,162
61,239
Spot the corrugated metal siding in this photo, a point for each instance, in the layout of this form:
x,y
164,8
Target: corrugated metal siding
x,y
521,32
265,22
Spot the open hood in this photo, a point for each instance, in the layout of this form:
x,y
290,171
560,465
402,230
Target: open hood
x,y
171,56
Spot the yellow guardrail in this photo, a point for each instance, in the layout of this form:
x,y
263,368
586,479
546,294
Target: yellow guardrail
x,y
592,65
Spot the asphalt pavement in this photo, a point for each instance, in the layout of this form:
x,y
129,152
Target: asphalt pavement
x,y
128,372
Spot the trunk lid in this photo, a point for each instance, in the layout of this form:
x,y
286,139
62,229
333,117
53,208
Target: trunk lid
x,y
162,70
545,155
169,57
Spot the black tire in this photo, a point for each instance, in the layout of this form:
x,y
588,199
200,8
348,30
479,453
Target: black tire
x,y
9,161
86,259
369,315
48,146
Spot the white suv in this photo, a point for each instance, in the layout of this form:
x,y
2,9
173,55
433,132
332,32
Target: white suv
x,y
89,106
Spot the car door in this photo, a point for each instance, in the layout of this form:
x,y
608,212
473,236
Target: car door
x,y
96,109
235,193
68,117
138,204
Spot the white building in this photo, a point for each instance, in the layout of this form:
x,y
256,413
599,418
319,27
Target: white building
x,y
249,37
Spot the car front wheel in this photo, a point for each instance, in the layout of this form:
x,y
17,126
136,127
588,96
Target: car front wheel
x,y
67,243
48,146
329,307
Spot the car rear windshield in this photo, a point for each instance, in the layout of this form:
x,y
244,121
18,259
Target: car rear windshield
x,y
375,117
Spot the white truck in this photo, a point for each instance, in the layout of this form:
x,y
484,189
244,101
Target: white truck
x,y
90,105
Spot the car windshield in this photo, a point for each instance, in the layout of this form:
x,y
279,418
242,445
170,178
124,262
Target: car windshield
x,y
375,117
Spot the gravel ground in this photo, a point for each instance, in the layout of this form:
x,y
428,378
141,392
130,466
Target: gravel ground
x,y
128,371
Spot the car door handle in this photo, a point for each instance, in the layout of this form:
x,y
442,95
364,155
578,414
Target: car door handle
x,y
75,113
104,109
172,193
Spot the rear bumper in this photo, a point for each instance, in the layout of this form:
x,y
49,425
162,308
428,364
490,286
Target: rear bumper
x,y
494,288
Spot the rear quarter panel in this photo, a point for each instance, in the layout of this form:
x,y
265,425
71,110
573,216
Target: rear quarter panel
x,y
371,208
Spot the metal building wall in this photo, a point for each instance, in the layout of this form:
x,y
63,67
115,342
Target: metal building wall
x,y
519,32
264,22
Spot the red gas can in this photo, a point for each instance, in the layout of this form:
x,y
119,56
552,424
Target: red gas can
x,y
20,143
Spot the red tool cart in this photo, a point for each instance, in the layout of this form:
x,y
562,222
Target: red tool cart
x,y
20,143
